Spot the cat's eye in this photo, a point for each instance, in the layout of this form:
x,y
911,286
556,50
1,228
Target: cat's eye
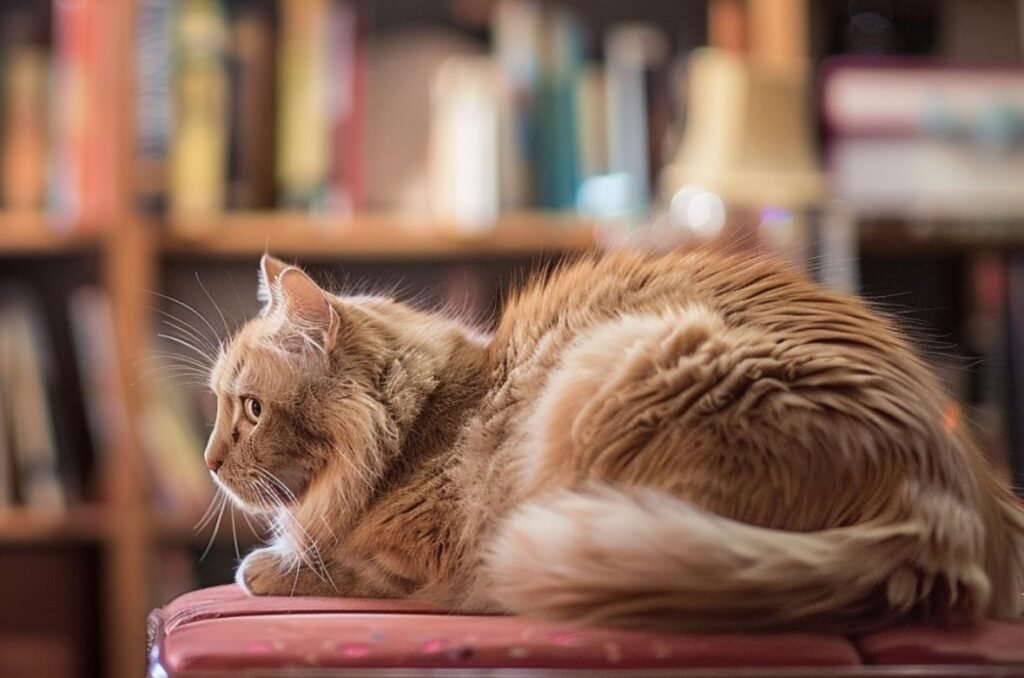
x,y
253,408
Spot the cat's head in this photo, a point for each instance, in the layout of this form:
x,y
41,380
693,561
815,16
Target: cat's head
x,y
297,398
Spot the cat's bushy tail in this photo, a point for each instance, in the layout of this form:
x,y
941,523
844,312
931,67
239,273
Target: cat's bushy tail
x,y
644,558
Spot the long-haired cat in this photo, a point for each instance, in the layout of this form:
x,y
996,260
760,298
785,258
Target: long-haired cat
x,y
692,441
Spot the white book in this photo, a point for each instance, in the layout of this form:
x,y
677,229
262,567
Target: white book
x,y
928,178
631,50
464,143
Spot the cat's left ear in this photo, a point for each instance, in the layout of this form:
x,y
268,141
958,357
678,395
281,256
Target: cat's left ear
x,y
307,309
307,312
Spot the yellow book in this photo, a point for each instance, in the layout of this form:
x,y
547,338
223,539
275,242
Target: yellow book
x,y
198,162
304,125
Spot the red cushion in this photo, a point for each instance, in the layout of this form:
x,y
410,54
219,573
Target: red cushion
x,y
995,642
220,629
231,601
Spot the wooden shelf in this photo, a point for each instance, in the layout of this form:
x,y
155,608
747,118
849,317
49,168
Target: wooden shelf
x,y
182,533
37,526
34,234
902,237
375,237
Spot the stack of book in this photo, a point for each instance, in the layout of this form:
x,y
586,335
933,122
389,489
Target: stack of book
x,y
248,106
56,130
940,148
277,105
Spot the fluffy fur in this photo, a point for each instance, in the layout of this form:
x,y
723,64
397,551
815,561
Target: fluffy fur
x,y
692,441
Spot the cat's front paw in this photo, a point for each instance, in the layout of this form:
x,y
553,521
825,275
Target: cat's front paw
x,y
263,573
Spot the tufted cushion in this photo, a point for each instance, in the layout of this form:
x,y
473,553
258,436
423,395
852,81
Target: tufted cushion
x,y
221,631
996,642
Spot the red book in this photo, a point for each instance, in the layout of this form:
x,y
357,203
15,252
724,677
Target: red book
x,y
84,101
348,55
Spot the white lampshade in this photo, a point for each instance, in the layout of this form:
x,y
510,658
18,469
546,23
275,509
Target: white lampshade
x,y
748,134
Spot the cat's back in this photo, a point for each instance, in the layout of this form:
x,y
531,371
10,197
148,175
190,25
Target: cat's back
x,y
743,289
554,310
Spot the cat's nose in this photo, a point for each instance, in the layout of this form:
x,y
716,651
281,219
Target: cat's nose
x,y
214,462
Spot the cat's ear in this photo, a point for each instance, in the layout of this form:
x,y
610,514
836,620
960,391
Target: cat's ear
x,y
270,271
307,308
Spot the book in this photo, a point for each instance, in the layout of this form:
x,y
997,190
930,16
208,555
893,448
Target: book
x,y
592,127
518,28
7,495
25,372
637,107
24,74
198,158
177,474
896,97
154,100
251,66
68,182
347,56
304,73
926,177
402,65
464,144
1014,319
95,350
558,168
987,340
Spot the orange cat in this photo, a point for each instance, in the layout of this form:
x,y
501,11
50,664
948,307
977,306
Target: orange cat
x,y
692,441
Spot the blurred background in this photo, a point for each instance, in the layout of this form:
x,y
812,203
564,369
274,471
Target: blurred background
x,y
151,150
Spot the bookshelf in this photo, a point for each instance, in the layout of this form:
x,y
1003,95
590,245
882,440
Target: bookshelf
x,y
88,523
377,236
135,252
34,234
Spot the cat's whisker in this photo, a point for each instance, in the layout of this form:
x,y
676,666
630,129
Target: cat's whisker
x,y
162,365
234,533
180,380
194,312
216,529
197,330
208,360
295,582
161,371
259,533
180,360
308,544
210,510
189,331
306,548
334,535
358,471
216,306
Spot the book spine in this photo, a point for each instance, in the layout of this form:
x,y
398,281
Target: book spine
x,y
518,29
251,152
559,155
25,367
636,113
102,136
153,100
346,108
1015,337
304,133
198,172
23,135
464,144
68,182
